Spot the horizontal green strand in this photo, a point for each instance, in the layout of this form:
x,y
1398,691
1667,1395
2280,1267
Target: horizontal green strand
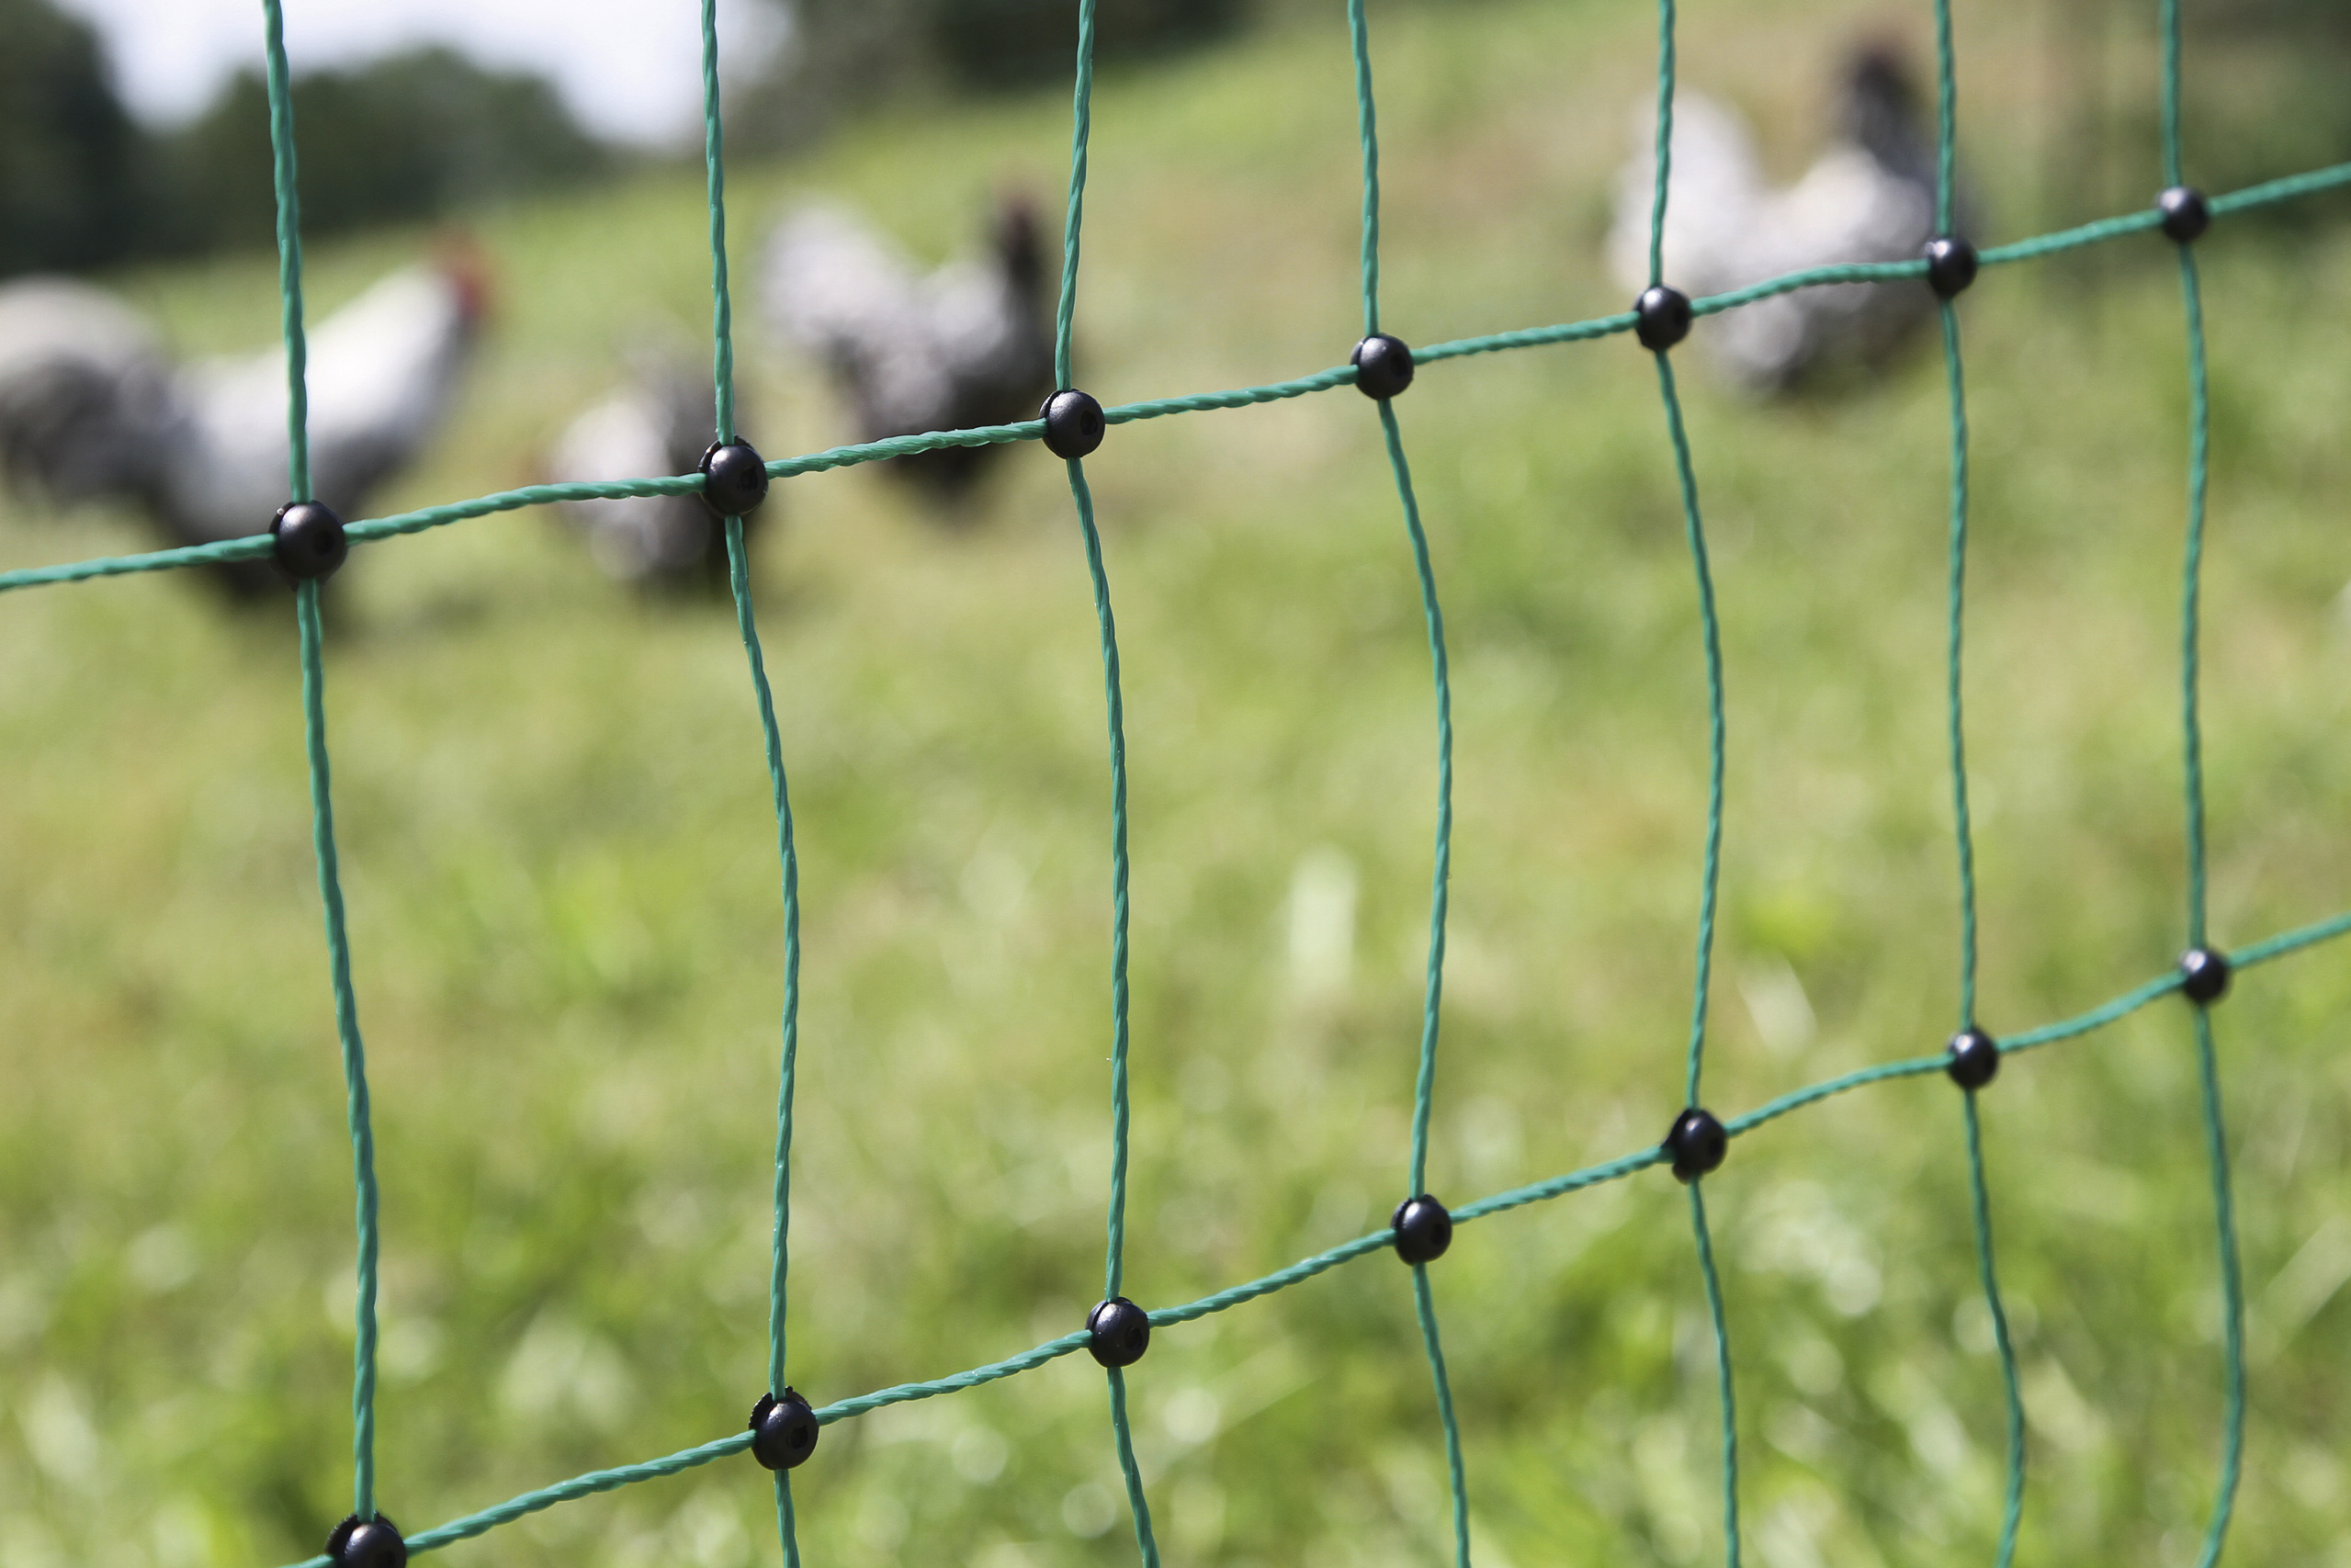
x,y
254,546
1378,1241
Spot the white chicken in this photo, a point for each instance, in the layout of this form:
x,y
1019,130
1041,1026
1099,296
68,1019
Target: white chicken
x,y
92,407
659,422
967,345
1869,197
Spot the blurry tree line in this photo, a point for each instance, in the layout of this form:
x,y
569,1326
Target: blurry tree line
x,y
412,135
422,134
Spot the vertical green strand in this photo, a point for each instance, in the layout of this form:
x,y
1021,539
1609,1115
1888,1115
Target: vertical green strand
x,y
1711,876
1963,826
2216,1148
1946,112
722,317
1114,1262
1367,128
1980,1207
2191,594
2168,21
1433,990
1664,141
354,1055
738,579
289,256
787,852
1429,1341
786,1522
1432,996
1722,1375
2192,571
1082,121
1145,1543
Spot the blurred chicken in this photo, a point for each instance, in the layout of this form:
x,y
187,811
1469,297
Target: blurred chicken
x,y
1869,197
660,423
969,344
91,406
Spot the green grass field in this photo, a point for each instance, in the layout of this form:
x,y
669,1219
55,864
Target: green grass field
x,y
560,860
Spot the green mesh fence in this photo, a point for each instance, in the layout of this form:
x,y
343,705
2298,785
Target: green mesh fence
x,y
365,1499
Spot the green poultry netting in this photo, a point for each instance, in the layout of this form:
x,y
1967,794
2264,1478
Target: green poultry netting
x,y
1422,1226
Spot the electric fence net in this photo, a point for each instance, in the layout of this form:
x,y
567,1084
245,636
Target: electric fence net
x,y
308,543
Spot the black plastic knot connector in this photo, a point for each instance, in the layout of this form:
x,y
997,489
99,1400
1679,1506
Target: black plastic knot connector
x,y
734,479
1118,1332
1696,1143
366,1543
310,542
1950,266
1975,1058
1074,425
1661,317
1383,367
2185,214
784,1431
1423,1229
2204,974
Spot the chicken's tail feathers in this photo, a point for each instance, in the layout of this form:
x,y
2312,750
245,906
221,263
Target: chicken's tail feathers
x,y
85,394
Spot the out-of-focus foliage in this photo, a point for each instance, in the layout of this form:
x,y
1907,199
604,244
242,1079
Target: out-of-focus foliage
x,y
66,148
848,54
412,135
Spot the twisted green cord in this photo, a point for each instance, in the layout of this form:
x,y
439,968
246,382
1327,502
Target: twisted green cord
x,y
722,371
2168,21
1664,152
2012,1508
1141,1509
1946,115
1964,834
1427,1308
1964,827
1114,1262
2281,945
1082,121
1367,131
722,358
738,581
1723,1374
2199,420
1711,878
354,1055
290,258
2284,943
1440,875
2216,1150
254,546
905,1393
788,851
1432,996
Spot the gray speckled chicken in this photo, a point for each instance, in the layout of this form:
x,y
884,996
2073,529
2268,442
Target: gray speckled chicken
x,y
92,406
659,422
1869,197
969,344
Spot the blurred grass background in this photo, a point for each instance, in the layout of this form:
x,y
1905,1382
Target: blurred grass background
x,y
560,860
